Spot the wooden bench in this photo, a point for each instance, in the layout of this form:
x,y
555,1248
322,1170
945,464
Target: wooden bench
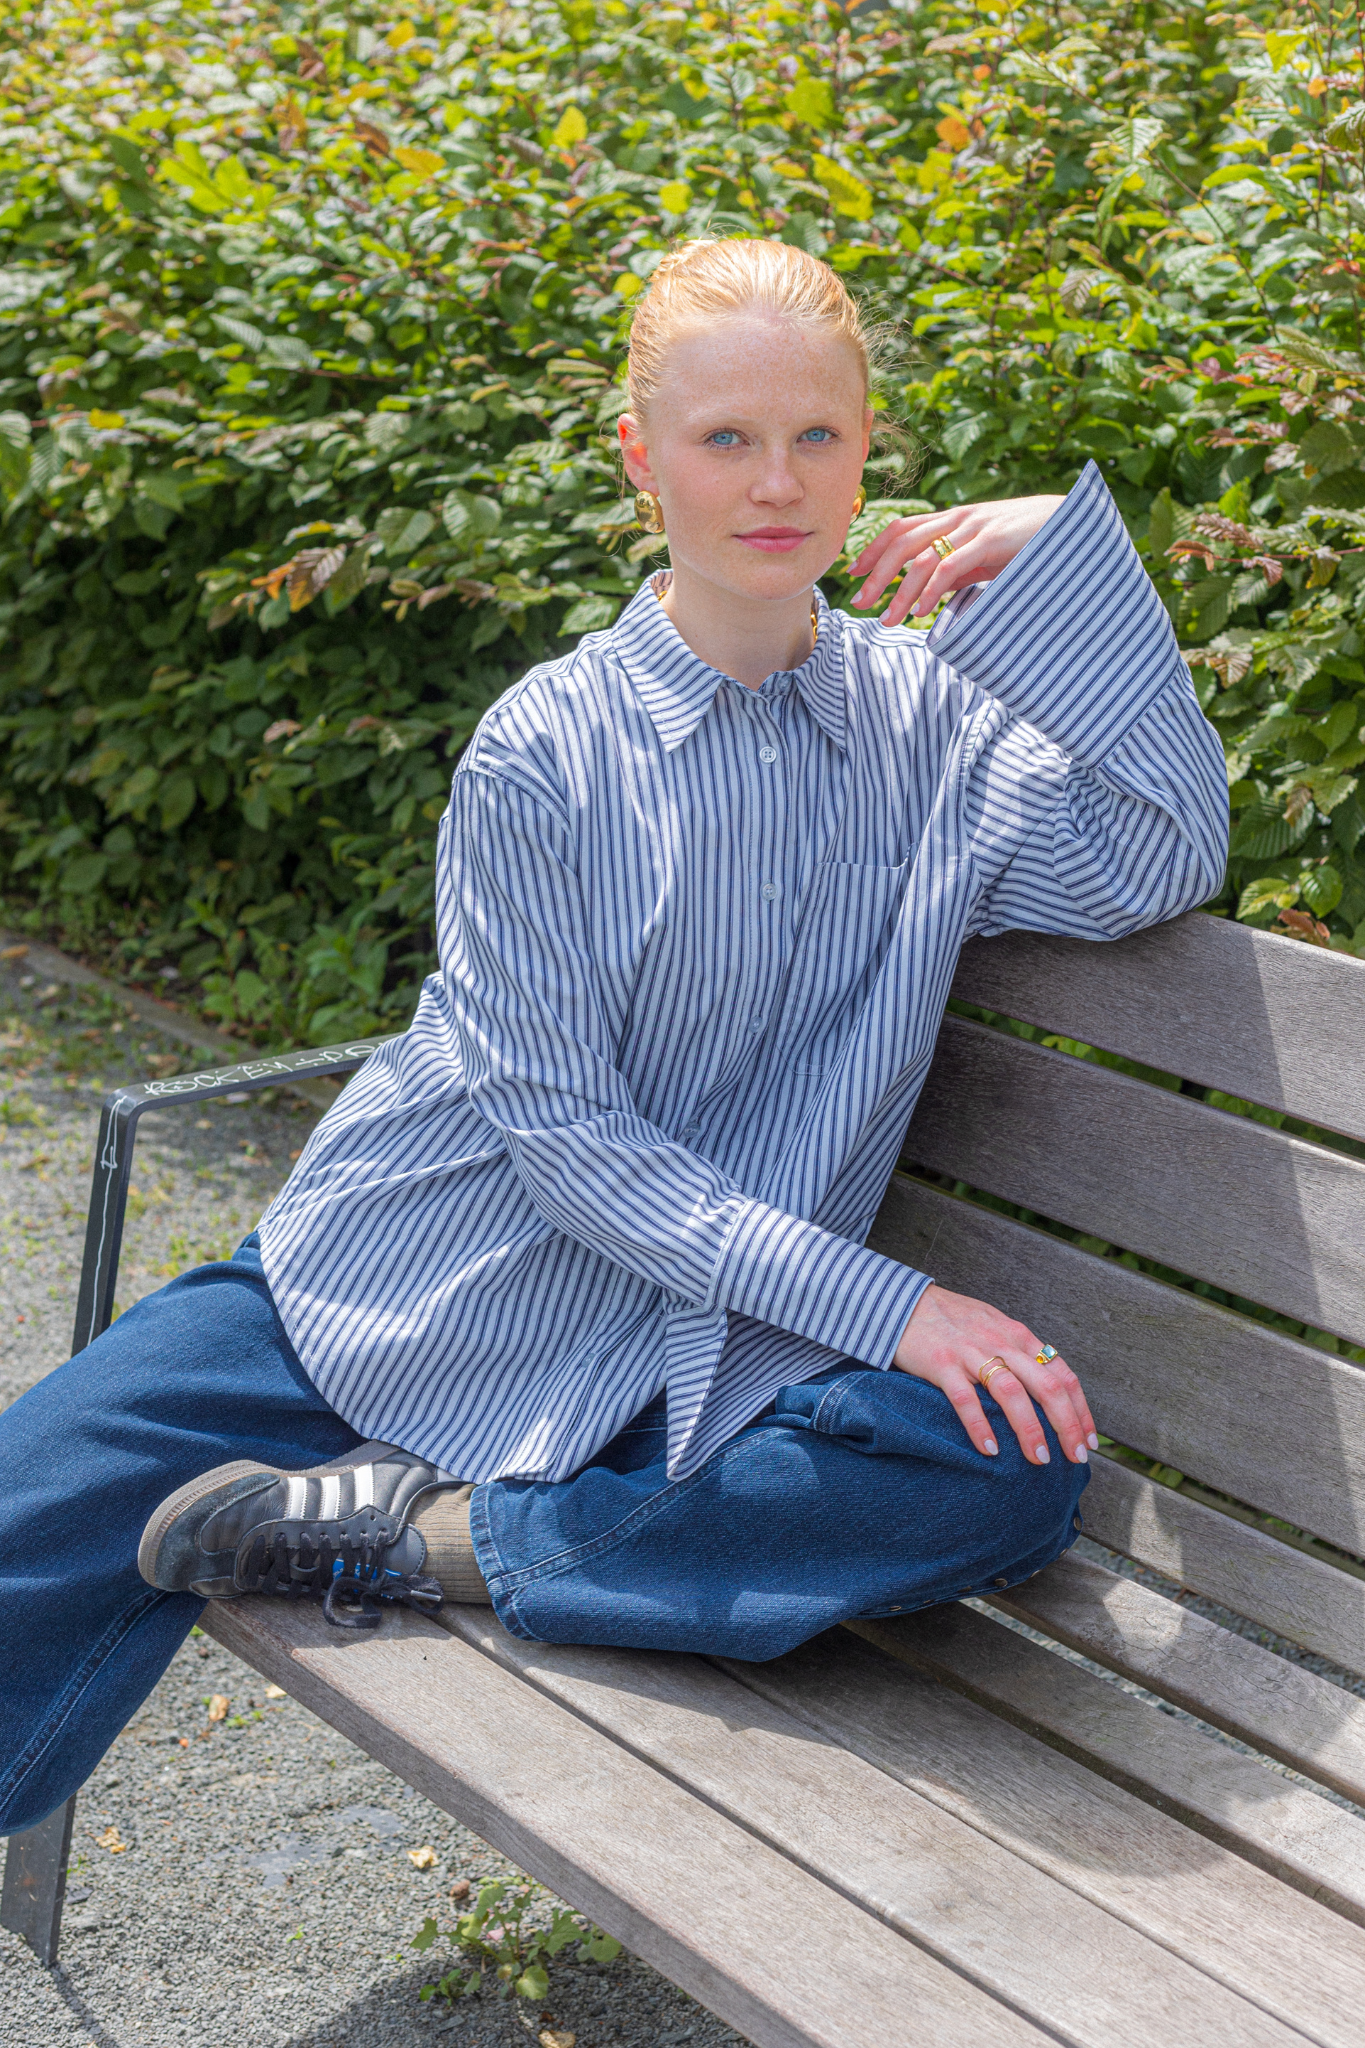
x,y
939,1828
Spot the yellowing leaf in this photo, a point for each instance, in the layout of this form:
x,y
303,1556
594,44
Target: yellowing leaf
x,y
953,131
628,285
276,1692
220,1703
102,422
1281,44
424,162
424,1858
403,33
849,194
570,128
935,171
812,101
675,197
112,1841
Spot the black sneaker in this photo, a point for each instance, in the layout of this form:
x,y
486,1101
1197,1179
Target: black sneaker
x,y
339,1532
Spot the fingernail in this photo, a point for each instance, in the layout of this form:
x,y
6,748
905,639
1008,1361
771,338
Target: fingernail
x,y
1043,1455
1093,1441
990,1447
1082,1455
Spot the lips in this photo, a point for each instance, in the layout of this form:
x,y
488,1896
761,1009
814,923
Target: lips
x,y
773,540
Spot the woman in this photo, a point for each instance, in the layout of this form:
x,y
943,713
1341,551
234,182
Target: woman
x,y
566,1305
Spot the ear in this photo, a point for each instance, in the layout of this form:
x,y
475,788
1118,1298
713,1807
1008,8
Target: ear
x,y
634,453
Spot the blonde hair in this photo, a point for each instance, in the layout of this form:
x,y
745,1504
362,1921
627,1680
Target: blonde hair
x,y
706,281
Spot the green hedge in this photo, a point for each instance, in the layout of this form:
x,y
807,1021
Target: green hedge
x,y
310,331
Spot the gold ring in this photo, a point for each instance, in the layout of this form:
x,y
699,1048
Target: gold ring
x,y
943,547
1046,1355
986,1373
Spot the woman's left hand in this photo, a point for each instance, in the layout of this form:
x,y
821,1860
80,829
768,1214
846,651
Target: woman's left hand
x,y
986,538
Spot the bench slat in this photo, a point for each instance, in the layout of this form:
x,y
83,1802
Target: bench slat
x,y
1258,1415
1285,1828
737,1925
1264,1700
942,1883
1272,1218
1256,1015
1239,1924
1302,1598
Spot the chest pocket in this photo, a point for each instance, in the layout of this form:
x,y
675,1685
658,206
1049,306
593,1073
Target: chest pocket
x,y
847,923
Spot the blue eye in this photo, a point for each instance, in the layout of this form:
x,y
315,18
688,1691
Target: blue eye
x,y
817,434
726,437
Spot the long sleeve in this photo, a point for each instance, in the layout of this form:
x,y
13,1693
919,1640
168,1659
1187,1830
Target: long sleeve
x,y
1101,805
537,1049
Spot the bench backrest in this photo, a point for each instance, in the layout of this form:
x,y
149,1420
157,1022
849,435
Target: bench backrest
x,y
1240,1406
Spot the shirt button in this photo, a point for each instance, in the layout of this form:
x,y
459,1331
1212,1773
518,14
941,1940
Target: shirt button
x,y
690,1130
770,892
767,753
757,1023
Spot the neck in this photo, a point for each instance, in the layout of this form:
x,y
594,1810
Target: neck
x,y
743,637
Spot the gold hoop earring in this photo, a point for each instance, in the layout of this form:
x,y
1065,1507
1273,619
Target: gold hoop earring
x,y
649,513
859,501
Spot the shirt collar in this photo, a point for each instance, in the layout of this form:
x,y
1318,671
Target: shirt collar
x,y
677,687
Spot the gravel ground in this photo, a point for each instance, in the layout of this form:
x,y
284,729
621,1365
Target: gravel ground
x,y
264,1895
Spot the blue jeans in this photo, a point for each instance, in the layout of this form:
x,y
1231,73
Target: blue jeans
x,y
856,1493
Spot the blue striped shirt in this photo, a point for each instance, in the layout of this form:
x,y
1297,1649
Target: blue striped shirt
x,y
695,944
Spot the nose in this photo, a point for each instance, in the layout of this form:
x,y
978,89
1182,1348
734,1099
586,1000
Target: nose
x,y
777,483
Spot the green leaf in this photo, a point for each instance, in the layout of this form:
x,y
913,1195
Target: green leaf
x,y
403,531
1280,45
1321,888
600,1947
423,1939
1264,833
848,193
178,798
129,159
256,807
1271,893
83,875
240,330
961,434
532,1983
589,615
348,581
1327,447
811,100
571,127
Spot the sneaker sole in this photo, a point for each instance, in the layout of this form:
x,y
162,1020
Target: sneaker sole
x,y
169,1556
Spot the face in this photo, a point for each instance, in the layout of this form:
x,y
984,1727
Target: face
x,y
754,446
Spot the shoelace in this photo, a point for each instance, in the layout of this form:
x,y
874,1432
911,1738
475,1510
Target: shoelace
x,y
355,1573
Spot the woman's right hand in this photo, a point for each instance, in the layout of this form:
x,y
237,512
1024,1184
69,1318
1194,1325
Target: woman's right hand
x,y
949,1337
